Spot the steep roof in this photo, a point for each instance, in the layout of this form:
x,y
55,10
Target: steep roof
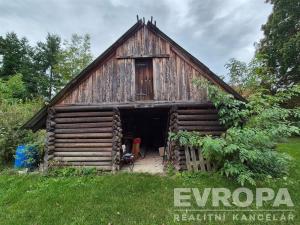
x,y
39,119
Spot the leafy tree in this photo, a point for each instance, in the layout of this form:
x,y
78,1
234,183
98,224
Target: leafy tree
x,y
244,78
13,88
280,48
75,55
17,58
46,58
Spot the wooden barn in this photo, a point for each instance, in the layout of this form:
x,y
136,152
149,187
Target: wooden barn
x,y
141,86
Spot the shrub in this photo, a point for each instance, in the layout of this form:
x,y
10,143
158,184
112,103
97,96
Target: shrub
x,y
246,151
14,112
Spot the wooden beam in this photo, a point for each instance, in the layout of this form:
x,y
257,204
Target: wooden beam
x,y
198,117
84,135
78,145
83,159
143,56
96,140
87,149
83,119
83,125
84,114
84,130
82,154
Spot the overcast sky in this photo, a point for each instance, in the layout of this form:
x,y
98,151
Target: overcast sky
x,y
212,30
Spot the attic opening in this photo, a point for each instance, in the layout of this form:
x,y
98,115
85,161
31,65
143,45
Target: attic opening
x,y
144,79
149,127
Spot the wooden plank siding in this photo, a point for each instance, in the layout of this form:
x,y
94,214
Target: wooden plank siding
x,y
114,80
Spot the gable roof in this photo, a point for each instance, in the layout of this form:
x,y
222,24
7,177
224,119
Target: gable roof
x,y
39,119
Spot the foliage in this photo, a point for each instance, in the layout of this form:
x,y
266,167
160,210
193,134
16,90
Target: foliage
x,y
246,151
14,112
280,47
247,78
13,88
45,67
75,55
17,57
47,54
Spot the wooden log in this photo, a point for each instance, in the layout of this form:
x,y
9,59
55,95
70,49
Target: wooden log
x,y
202,128
97,165
79,145
85,135
83,125
199,123
96,140
198,117
197,111
87,149
84,114
83,159
83,119
84,130
82,154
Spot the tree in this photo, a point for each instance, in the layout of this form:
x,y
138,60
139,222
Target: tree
x,y
245,78
280,47
17,58
74,57
46,57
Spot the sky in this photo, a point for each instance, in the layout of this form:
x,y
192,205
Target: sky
x,y
212,30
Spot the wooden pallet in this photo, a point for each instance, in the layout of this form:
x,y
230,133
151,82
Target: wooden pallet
x,y
196,162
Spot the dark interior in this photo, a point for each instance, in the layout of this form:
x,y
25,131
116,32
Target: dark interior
x,y
148,124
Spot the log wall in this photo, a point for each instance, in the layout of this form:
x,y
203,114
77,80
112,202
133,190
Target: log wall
x,y
203,119
83,138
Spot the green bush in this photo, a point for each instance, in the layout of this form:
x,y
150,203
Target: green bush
x,y
246,151
14,112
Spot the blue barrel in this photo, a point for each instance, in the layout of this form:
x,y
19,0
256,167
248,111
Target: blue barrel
x,y
26,157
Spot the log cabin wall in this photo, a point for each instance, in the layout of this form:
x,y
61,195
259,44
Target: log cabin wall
x,y
83,137
114,80
202,118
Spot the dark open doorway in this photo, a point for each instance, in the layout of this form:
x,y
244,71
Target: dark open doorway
x,y
150,125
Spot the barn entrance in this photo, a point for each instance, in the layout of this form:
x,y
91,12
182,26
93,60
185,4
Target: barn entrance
x,y
144,133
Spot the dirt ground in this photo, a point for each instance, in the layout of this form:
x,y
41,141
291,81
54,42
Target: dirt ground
x,y
152,163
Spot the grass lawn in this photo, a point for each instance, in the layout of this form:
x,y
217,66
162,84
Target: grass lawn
x,y
121,198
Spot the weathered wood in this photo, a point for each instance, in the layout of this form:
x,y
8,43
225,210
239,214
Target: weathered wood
x,y
87,149
93,140
83,125
82,154
201,128
78,145
84,114
143,56
195,160
83,119
83,159
84,130
197,111
199,123
198,117
84,135
103,166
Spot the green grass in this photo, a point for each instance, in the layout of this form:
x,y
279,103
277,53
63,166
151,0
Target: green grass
x,y
118,199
